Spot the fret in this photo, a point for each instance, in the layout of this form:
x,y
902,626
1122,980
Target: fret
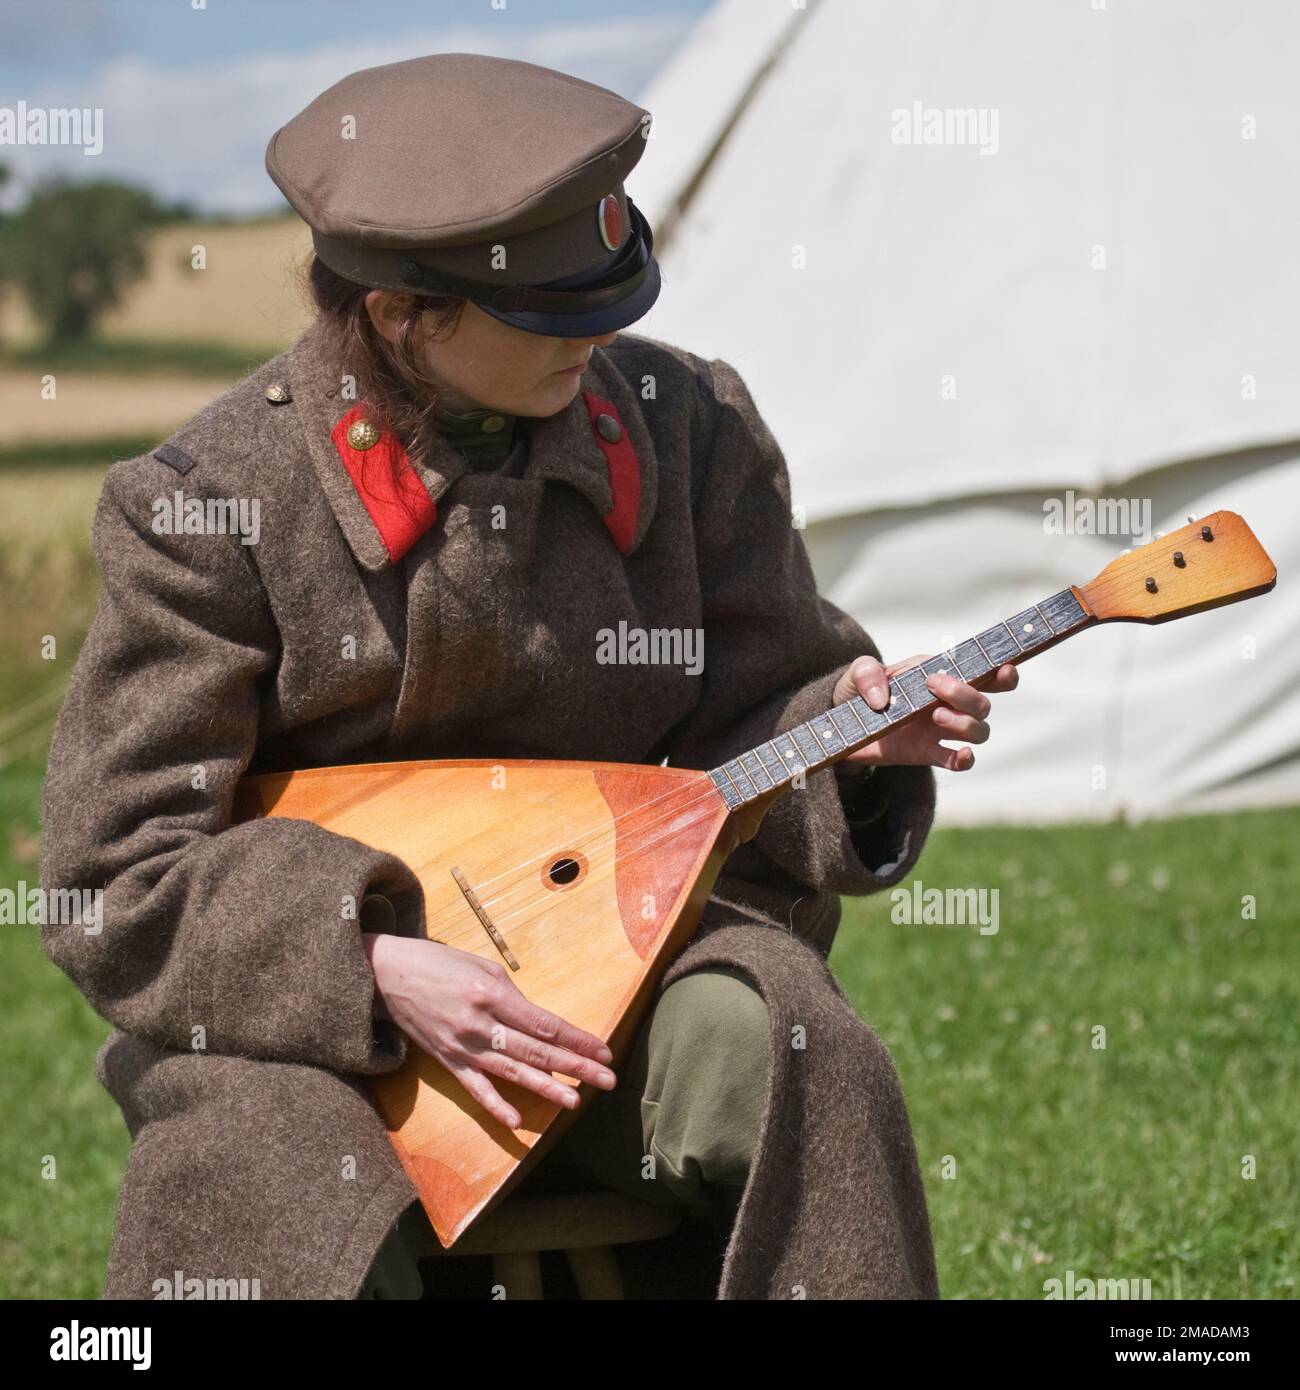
x,y
874,721
940,665
998,645
724,784
970,660
741,778
807,745
790,755
898,706
912,684
828,735
758,774
772,763
1063,612
849,725
1030,629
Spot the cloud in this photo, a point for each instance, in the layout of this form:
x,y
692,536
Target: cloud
x,y
200,134
33,36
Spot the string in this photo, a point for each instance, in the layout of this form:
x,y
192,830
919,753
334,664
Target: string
x,y
643,806
606,835
592,843
542,902
603,825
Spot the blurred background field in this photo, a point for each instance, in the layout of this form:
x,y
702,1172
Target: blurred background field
x,y
181,335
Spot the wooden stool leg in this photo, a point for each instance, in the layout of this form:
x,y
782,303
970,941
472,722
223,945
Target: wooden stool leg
x,y
596,1273
519,1273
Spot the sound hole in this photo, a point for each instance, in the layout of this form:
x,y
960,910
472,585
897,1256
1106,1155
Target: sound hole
x,y
565,870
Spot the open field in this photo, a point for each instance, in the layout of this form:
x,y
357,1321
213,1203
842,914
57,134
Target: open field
x,y
89,406
249,291
47,591
180,339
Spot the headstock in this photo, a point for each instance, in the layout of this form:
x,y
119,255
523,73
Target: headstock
x,y
1214,561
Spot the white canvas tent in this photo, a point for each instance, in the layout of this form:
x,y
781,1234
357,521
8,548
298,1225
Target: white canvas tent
x,y
974,260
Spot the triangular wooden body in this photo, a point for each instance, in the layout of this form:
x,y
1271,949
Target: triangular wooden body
x,y
593,874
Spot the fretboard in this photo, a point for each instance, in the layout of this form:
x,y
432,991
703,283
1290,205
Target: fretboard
x,y
837,732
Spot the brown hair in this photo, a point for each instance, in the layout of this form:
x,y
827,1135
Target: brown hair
x,y
388,376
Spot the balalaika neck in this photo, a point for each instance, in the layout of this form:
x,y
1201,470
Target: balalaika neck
x,y
835,733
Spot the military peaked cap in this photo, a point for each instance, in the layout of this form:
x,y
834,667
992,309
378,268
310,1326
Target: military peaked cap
x,y
479,178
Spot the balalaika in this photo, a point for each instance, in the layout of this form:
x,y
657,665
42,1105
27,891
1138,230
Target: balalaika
x,y
586,879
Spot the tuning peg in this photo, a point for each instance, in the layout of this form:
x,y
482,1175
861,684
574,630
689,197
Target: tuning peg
x,y
1151,585
1178,559
1206,534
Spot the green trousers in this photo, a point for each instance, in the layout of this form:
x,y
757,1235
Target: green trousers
x,y
680,1127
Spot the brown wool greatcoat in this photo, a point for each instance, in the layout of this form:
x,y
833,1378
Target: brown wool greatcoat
x,y
242,1003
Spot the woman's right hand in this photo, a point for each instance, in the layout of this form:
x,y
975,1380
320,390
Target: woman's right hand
x,y
468,1014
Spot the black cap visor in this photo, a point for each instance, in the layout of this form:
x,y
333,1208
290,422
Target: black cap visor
x,y
589,305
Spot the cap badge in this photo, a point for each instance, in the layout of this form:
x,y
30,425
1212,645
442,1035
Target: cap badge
x,y
610,218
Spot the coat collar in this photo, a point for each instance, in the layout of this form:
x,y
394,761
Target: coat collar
x,y
564,447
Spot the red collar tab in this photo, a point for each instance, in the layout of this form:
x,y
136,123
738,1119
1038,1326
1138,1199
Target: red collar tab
x,y
398,502
624,471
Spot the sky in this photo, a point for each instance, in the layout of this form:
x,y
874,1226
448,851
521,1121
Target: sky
x,y
191,90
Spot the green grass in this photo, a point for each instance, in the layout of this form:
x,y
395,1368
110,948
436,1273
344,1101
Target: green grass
x,y
1117,1163
54,1231
132,356
48,584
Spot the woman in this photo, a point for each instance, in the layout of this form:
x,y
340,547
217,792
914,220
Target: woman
x,y
461,475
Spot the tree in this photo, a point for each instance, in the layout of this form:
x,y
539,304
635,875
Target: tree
x,y
74,248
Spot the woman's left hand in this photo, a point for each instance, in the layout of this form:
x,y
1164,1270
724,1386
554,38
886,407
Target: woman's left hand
x,y
961,713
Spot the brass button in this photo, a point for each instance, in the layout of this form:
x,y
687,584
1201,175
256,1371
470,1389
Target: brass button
x,y
278,393
609,428
494,424
363,435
